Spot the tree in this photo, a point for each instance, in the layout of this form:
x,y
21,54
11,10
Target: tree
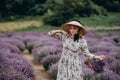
x,y
68,9
110,5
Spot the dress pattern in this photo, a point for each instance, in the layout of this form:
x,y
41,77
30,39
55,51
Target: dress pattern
x,y
70,65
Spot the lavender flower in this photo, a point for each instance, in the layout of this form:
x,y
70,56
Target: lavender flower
x,y
115,66
53,71
12,48
47,50
49,60
44,51
109,75
14,42
14,67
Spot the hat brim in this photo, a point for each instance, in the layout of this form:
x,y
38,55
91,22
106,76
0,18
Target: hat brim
x,y
66,27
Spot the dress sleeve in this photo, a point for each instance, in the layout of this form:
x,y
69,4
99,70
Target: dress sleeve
x,y
84,49
57,35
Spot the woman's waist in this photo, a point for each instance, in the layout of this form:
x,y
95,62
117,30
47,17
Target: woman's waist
x,y
74,50
70,53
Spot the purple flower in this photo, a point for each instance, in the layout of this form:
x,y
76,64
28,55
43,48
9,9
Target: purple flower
x,y
49,60
115,66
47,50
14,67
44,51
109,75
12,48
14,42
53,71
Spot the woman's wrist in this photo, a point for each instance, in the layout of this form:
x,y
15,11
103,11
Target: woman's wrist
x,y
102,57
55,31
96,57
58,31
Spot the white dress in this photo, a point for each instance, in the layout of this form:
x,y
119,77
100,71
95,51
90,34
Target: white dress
x,y
70,66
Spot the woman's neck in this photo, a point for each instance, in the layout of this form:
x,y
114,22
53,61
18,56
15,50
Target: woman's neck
x,y
72,35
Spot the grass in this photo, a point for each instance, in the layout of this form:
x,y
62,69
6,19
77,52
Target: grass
x,y
38,29
17,25
35,24
112,19
107,31
48,28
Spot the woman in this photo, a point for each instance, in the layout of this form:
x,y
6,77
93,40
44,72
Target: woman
x,y
71,35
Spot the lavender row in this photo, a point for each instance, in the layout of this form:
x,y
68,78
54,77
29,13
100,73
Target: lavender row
x,y
12,65
47,51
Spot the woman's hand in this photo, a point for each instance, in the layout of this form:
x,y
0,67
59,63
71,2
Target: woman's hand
x,y
53,32
101,57
61,31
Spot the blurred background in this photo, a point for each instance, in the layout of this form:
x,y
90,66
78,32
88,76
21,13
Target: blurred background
x,y
44,15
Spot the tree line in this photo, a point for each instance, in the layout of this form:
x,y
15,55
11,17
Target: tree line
x,y
56,12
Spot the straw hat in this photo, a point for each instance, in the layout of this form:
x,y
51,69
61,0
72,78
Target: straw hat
x,y
66,27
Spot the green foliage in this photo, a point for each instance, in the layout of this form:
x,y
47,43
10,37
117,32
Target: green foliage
x,y
40,1
56,12
109,20
15,6
39,7
110,5
37,10
69,9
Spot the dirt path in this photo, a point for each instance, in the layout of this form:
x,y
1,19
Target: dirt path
x,y
39,71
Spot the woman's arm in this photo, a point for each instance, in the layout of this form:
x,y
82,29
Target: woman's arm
x,y
53,32
84,49
58,34
86,52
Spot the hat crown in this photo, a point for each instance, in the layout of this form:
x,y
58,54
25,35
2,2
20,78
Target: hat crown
x,y
75,23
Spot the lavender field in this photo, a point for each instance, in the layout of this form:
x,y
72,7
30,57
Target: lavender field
x,y
47,51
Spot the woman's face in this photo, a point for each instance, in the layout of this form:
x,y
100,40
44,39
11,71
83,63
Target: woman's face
x,y
74,30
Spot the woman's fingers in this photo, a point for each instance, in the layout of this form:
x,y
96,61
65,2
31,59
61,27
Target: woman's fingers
x,y
63,32
102,57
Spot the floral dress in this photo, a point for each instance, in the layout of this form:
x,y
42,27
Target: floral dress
x,y
70,65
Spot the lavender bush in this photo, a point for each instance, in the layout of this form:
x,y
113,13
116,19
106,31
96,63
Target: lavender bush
x,y
53,71
14,67
108,75
13,49
49,60
46,50
115,66
2,35
14,42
